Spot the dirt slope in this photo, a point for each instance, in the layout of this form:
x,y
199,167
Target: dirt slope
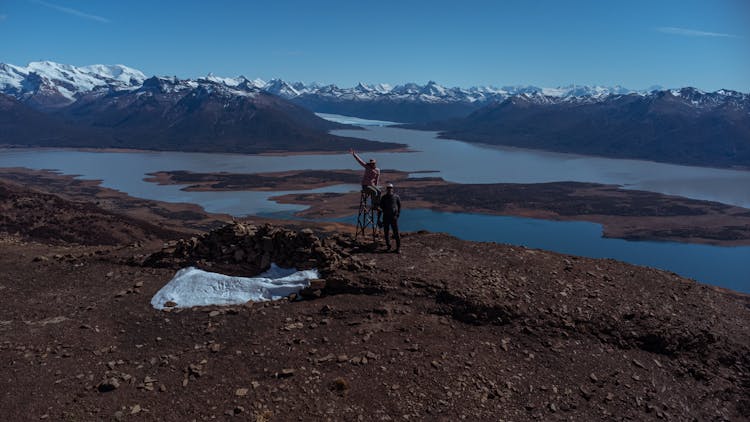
x,y
447,330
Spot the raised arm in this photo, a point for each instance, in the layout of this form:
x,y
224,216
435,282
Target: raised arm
x,y
356,157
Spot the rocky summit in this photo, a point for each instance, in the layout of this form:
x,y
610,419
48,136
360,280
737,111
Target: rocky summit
x,y
448,330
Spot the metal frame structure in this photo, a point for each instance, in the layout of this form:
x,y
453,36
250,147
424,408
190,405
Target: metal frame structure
x,y
366,217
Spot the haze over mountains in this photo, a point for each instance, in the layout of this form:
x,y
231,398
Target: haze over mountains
x,y
51,104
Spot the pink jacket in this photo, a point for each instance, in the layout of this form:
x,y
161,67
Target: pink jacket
x,y
372,174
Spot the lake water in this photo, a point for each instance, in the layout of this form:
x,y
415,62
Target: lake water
x,y
462,162
722,266
455,161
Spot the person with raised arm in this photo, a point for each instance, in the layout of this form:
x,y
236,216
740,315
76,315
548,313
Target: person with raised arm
x,y
370,179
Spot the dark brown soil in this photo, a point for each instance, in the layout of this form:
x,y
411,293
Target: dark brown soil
x,y
176,217
27,214
447,330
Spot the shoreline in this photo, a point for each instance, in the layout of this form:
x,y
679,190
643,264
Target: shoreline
x,y
187,218
623,213
442,135
156,151
191,219
703,222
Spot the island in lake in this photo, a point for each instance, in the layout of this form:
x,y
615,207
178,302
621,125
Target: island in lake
x,y
624,213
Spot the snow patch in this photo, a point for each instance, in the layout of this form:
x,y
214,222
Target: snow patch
x,y
194,287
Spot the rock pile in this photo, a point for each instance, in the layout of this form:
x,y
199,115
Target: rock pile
x,y
247,250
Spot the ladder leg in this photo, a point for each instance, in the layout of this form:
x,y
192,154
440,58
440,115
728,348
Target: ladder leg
x,y
361,215
366,217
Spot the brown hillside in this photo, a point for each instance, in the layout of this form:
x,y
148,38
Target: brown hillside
x,y
448,330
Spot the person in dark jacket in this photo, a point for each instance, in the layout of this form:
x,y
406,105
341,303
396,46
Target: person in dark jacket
x,y
390,204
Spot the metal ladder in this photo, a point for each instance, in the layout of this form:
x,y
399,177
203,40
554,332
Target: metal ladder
x,y
366,218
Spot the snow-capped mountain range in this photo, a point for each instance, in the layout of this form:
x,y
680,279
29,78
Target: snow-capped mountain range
x,y
54,105
47,84
61,84
57,105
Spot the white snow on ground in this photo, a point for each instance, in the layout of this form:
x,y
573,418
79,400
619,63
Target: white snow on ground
x,y
194,287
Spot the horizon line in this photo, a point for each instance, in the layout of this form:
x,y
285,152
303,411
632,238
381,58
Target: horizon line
x,y
652,87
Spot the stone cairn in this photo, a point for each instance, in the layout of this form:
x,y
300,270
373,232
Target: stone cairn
x,y
248,250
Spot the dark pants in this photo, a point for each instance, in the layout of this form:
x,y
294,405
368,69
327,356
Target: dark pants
x,y
391,223
374,193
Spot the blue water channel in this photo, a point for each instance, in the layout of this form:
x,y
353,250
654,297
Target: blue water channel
x,y
722,266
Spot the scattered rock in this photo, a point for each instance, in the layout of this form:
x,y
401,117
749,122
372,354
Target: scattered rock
x,y
504,344
325,358
293,326
195,370
109,384
285,373
340,385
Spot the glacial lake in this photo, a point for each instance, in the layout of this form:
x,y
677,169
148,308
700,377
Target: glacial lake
x,y
454,161
721,266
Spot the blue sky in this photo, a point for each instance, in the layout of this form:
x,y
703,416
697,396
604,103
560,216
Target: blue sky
x,y
456,43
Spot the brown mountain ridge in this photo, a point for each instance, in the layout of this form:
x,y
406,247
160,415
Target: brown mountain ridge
x,y
164,114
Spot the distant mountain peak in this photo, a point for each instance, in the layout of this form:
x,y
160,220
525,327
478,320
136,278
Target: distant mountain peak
x,y
51,84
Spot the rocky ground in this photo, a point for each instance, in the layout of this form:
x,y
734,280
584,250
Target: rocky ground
x,y
448,330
